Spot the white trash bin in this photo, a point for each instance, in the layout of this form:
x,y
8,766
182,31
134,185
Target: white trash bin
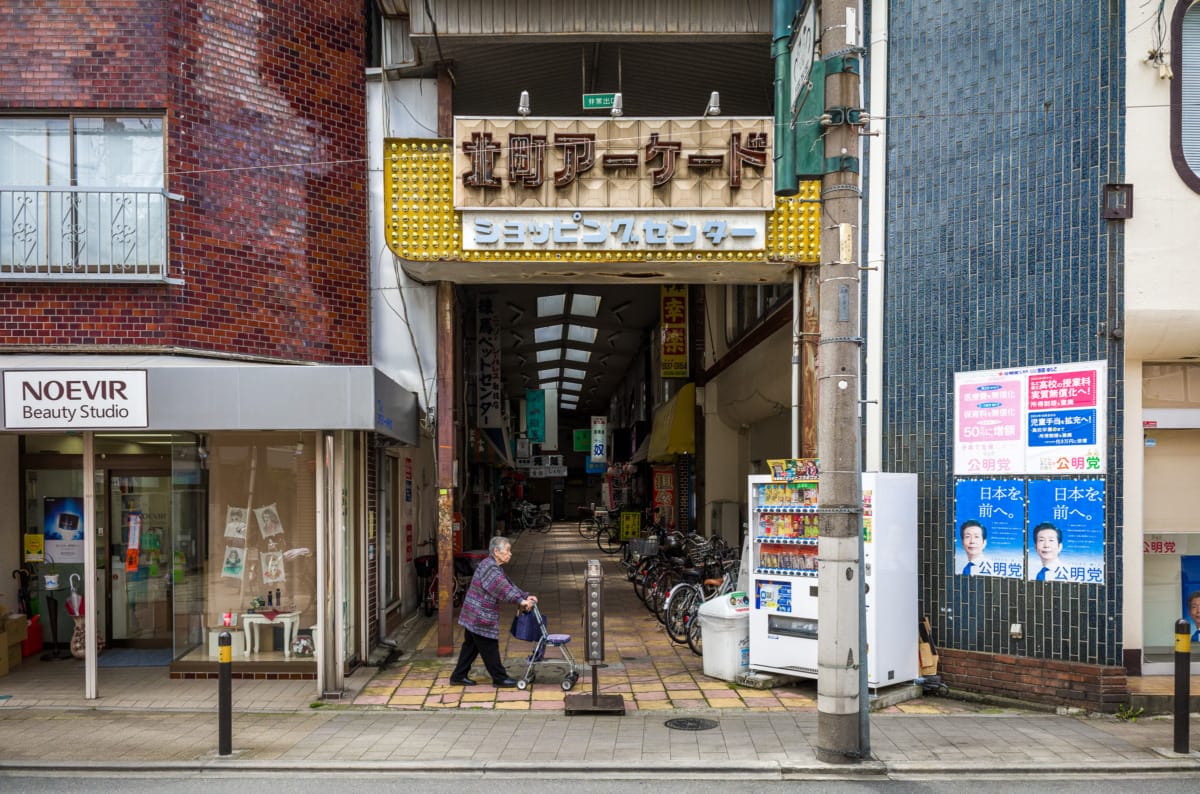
x,y
725,627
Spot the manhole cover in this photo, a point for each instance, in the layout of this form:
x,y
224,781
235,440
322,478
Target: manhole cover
x,y
691,724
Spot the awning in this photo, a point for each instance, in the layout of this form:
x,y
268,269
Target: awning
x,y
642,451
192,393
674,429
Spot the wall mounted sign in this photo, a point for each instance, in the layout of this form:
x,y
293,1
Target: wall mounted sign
x,y
529,163
1032,420
600,439
75,399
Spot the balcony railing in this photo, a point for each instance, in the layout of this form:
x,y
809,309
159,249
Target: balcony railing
x,y
83,234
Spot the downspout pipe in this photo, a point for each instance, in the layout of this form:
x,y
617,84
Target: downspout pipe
x,y
786,181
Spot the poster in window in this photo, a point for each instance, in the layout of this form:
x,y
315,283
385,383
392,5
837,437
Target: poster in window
x,y
272,567
268,520
235,522
235,562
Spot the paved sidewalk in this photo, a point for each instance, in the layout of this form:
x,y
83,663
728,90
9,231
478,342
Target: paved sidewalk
x,y
639,745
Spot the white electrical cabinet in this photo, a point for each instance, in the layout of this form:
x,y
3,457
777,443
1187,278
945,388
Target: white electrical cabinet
x,y
785,538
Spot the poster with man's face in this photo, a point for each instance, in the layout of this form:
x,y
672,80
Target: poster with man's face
x,y
1189,570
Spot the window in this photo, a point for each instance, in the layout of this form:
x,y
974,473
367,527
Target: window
x,y
745,307
1185,93
82,196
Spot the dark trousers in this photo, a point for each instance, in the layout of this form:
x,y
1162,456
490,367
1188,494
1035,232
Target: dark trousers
x,y
478,645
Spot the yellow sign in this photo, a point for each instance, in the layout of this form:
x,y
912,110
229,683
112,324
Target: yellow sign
x,y
631,524
35,548
674,316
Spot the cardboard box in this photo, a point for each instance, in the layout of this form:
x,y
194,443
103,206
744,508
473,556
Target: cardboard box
x,y
929,659
16,627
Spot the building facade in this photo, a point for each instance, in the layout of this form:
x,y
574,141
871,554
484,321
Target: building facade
x,y
194,435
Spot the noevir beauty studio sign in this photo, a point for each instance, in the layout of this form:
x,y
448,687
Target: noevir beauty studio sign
x,y
74,400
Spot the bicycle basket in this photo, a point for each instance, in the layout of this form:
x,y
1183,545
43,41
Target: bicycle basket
x,y
525,626
426,565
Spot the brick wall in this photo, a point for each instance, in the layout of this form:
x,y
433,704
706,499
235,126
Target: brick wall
x,y
1094,687
997,257
264,107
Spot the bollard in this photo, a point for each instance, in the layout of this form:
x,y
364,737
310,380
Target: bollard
x,y
1183,683
593,628
225,694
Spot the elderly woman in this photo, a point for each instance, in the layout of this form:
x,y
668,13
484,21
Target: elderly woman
x,y
480,615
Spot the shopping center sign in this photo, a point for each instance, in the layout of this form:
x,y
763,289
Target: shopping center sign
x,y
613,185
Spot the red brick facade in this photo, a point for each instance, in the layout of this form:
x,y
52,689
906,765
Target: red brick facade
x,y
266,142
1039,680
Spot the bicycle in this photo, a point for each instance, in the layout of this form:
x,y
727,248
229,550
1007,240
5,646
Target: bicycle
x,y
429,583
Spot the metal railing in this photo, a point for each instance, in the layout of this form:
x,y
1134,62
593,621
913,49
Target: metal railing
x,y
83,234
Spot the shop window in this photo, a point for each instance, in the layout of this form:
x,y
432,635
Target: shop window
x,y
260,558
1185,93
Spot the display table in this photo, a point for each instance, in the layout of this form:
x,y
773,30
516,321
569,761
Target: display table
x,y
251,621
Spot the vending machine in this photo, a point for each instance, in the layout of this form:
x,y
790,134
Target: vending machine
x,y
785,528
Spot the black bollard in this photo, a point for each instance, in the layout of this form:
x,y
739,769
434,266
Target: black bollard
x,y
1183,683
225,694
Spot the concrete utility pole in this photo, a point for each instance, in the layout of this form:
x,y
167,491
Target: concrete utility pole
x,y
842,728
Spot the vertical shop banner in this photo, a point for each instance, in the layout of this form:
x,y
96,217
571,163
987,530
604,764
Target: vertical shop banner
x,y
63,529
1066,531
664,493
989,528
600,439
535,415
408,479
487,352
674,318
408,542
1035,420
582,440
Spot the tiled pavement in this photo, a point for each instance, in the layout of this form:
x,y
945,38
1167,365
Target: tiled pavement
x,y
643,665
408,720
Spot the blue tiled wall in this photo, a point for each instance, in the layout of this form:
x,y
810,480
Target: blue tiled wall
x,y
1004,124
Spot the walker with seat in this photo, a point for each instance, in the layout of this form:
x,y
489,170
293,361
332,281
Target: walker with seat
x,y
531,627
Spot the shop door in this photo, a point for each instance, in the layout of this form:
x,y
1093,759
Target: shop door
x,y
139,559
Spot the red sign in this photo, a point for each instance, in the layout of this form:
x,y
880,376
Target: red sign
x,y
408,546
664,493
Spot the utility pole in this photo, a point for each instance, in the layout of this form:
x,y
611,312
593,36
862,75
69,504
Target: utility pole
x,y
843,734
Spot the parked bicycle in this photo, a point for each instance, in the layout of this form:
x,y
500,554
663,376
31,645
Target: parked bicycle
x,y
429,583
528,516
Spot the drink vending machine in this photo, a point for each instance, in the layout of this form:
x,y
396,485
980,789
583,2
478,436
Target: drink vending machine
x,y
785,542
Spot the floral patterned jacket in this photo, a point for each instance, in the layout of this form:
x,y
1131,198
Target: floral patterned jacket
x,y
481,607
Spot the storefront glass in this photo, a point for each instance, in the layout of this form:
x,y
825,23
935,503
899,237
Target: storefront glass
x,y
257,566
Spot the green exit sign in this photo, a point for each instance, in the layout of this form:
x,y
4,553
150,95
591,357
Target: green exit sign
x,y
598,101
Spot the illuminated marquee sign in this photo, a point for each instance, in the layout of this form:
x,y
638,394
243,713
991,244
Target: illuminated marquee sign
x,y
700,164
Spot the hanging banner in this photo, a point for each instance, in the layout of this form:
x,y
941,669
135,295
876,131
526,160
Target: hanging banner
x,y
487,382
599,439
664,493
674,316
582,440
1034,420
535,415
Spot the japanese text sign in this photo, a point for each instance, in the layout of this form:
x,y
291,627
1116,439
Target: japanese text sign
x,y
600,439
1034,420
590,163
487,353
674,331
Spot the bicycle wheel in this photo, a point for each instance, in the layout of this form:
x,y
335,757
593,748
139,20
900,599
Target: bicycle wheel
x,y
609,540
640,573
587,527
663,583
542,523
694,639
679,607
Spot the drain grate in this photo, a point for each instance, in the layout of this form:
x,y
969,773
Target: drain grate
x,y
691,724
